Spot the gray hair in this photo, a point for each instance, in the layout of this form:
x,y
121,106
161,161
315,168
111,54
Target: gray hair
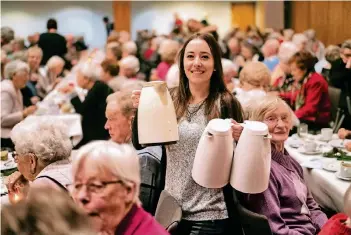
x,y
13,67
7,34
45,138
130,47
91,71
54,60
121,160
286,51
19,41
332,53
35,49
346,44
299,38
257,109
228,66
130,62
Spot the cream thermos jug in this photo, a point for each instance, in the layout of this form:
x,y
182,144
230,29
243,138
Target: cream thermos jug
x,y
157,121
252,159
214,155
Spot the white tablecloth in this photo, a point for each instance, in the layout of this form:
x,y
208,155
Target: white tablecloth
x,y
72,121
326,188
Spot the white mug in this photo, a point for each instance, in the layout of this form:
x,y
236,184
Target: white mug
x,y
345,169
327,133
310,146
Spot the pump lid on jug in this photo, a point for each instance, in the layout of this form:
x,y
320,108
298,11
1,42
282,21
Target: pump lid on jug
x,y
219,127
257,128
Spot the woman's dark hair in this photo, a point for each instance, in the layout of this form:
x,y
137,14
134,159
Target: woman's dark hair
x,y
304,60
249,44
51,24
182,94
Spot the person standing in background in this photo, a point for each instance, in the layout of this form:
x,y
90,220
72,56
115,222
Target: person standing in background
x,y
51,42
109,25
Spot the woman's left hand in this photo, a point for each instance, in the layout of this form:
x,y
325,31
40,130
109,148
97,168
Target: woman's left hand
x,y
237,129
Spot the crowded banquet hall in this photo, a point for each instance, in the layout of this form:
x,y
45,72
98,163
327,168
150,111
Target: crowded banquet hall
x,y
175,117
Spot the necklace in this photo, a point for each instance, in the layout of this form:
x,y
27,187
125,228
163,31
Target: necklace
x,y
190,115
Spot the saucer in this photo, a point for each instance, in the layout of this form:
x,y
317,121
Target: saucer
x,y
294,143
338,143
342,178
331,166
304,151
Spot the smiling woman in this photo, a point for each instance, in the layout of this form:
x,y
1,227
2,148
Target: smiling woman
x,y
287,203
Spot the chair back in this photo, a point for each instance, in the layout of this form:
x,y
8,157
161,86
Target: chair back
x,y
168,212
334,96
253,223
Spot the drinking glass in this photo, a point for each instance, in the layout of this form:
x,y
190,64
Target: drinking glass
x,y
303,131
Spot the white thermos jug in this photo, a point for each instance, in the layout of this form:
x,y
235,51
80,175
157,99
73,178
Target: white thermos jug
x,y
157,121
252,159
214,155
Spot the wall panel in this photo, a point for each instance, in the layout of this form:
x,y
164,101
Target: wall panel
x,y
122,15
330,19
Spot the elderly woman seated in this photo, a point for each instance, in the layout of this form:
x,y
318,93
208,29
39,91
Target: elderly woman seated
x,y
168,51
93,107
12,110
281,78
106,185
287,203
309,94
230,71
50,75
42,152
254,82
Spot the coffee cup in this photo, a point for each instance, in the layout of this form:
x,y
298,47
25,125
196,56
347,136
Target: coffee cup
x,y
310,146
345,169
327,134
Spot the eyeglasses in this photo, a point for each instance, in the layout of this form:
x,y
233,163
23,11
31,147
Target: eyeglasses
x,y
275,119
96,187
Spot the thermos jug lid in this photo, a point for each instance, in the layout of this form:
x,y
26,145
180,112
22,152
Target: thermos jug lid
x,y
257,128
219,127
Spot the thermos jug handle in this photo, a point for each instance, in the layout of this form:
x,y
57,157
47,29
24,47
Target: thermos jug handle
x,y
268,136
209,134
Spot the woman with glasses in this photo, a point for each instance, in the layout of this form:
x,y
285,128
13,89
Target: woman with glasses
x,y
287,203
42,152
106,184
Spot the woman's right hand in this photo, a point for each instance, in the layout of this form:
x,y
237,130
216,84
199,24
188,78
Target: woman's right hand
x,y
29,110
342,133
136,98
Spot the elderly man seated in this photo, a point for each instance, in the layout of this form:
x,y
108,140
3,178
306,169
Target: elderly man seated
x,y
270,50
93,107
106,185
120,114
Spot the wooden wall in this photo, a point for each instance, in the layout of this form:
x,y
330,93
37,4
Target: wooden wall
x,y
330,19
122,15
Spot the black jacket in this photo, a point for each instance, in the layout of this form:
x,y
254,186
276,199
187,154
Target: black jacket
x,y
52,44
92,110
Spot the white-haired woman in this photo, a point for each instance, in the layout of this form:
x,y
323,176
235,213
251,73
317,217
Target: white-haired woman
x,y
280,76
93,107
129,67
42,155
50,75
230,71
168,51
129,48
12,109
106,185
287,203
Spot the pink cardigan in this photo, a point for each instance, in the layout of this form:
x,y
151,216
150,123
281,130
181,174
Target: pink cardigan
x,y
139,222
